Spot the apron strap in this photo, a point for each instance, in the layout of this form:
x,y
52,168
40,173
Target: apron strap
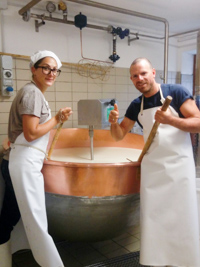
x,y
142,105
162,99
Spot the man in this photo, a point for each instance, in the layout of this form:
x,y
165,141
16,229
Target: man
x,y
169,217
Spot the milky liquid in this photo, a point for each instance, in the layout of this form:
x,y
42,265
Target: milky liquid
x,y
101,154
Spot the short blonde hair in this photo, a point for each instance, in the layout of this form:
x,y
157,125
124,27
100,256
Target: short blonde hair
x,y
137,60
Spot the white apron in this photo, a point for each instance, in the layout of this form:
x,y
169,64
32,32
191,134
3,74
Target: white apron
x,y
25,164
169,217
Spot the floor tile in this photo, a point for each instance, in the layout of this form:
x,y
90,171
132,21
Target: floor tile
x,y
128,240
80,254
133,246
118,252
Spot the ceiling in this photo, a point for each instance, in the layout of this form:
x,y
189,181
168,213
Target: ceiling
x,y
182,16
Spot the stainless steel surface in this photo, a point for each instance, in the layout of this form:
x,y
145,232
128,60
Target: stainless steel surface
x,y
91,201
91,134
94,112
91,219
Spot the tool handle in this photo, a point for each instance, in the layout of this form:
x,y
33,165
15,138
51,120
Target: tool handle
x,y
154,129
54,140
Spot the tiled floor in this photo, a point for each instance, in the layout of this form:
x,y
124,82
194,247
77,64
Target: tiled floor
x,y
83,254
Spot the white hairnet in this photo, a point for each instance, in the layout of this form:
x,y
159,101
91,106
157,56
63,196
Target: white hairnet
x,y
41,54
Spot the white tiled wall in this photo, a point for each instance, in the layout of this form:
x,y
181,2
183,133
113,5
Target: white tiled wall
x,y
69,88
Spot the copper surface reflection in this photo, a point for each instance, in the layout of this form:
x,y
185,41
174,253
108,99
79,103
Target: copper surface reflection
x,y
92,179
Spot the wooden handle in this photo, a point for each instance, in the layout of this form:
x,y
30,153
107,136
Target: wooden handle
x,y
154,129
54,140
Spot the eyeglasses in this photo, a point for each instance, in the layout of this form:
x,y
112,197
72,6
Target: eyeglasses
x,y
47,70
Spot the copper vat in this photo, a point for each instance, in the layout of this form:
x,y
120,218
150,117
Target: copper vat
x,y
91,201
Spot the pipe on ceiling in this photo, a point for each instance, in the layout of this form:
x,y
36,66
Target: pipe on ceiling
x,y
122,11
28,6
91,26
136,14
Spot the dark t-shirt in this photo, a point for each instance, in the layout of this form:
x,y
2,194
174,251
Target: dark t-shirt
x,y
178,92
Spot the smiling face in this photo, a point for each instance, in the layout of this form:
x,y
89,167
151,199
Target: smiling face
x,y
143,77
43,81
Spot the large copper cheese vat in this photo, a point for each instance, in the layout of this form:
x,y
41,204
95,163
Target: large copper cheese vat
x,y
91,201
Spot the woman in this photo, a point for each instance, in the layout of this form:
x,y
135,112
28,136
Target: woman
x,y
28,131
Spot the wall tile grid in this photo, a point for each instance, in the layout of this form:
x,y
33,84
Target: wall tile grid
x,y
73,84
187,81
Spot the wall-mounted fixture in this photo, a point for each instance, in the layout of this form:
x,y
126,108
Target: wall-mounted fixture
x,y
6,65
38,24
62,6
122,34
50,7
80,21
114,57
133,39
118,31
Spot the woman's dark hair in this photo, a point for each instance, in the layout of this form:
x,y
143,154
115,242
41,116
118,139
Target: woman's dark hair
x,y
38,63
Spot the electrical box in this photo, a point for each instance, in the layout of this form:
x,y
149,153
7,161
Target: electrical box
x,y
6,75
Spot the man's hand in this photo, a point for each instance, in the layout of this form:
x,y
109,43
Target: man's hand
x,y
114,115
163,116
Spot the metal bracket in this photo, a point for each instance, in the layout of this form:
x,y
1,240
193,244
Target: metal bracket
x,y
38,25
133,39
26,15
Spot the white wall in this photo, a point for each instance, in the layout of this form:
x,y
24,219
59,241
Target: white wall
x,y
187,63
185,54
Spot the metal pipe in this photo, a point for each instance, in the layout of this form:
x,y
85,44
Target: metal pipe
x,y
182,33
97,27
166,48
28,6
91,134
136,14
91,26
42,17
119,10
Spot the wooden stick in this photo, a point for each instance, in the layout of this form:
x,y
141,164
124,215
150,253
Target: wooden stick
x,y
54,140
154,129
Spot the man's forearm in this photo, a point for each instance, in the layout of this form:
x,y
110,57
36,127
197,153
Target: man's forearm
x,y
116,131
191,125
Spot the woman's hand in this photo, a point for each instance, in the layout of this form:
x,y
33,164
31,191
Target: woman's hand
x,y
63,114
33,130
